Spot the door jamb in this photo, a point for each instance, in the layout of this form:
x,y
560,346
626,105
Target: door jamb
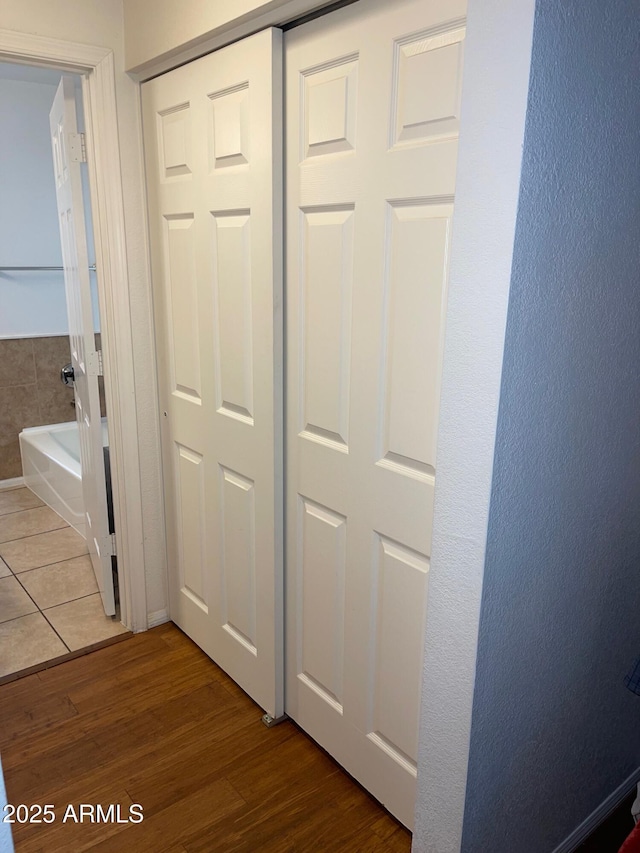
x,y
96,65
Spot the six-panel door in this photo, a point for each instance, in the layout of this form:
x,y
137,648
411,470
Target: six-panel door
x,y
212,132
372,110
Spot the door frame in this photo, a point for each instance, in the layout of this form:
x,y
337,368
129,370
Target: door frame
x,y
96,65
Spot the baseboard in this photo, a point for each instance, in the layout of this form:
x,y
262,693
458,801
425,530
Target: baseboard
x,y
14,483
582,832
159,617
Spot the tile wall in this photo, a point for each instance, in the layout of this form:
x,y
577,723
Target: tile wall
x,y
31,393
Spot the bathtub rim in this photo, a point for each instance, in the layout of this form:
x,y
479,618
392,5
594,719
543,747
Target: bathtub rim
x,y
39,437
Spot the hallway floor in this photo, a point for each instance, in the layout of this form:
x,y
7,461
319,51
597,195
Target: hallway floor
x,y
49,601
155,722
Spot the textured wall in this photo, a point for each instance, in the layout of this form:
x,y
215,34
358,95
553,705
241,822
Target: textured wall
x,y
554,729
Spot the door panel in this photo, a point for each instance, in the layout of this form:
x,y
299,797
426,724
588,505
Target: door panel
x,y
372,100
67,159
212,132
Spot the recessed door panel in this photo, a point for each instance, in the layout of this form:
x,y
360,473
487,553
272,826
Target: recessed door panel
x,y
233,314
418,237
325,281
229,127
174,141
427,85
182,301
321,562
400,599
330,98
239,557
192,549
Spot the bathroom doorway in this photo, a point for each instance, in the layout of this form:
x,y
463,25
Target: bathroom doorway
x,y
50,606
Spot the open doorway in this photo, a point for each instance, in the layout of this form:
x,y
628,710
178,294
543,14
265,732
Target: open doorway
x,y
51,606
115,266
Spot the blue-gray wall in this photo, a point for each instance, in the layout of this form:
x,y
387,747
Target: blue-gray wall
x,y
554,729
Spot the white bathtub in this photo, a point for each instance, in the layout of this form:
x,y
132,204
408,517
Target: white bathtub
x,y
51,468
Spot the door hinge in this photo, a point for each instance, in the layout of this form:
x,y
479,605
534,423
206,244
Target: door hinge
x,y
107,545
94,363
77,148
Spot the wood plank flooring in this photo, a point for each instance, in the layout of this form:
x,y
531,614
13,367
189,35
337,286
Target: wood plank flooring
x,y
153,721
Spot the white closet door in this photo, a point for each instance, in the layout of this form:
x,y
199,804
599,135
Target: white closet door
x,y
67,149
372,105
212,132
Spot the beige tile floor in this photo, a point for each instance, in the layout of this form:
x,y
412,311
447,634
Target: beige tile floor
x,y
49,600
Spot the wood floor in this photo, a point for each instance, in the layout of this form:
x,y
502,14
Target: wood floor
x,y
153,721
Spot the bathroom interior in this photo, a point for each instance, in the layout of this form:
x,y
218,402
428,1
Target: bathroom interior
x,y
50,604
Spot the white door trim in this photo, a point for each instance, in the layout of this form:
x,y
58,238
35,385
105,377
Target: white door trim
x,y
103,157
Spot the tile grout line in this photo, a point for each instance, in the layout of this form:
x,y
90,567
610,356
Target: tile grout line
x,y
41,609
15,575
31,599
70,601
46,565
15,618
33,509
55,631
41,613
21,509
29,535
64,525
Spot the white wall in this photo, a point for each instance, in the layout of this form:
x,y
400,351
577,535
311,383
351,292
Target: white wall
x,y
155,27
160,34
32,303
100,22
